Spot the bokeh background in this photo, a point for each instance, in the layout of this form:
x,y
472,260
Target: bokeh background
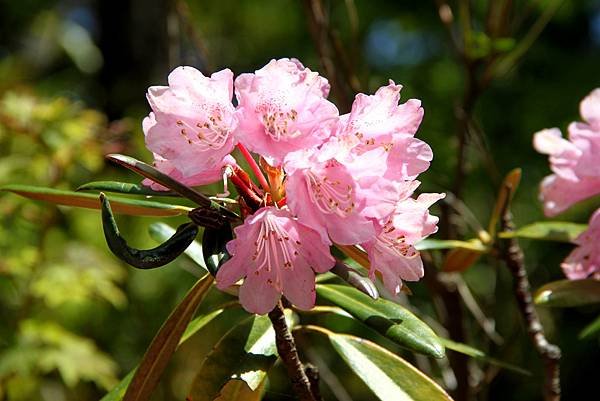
x,y
73,74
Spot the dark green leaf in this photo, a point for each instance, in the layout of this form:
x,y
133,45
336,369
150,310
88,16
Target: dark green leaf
x,y
565,293
547,230
355,279
123,188
91,201
145,258
160,232
480,355
390,377
388,318
150,172
165,342
214,247
591,330
247,352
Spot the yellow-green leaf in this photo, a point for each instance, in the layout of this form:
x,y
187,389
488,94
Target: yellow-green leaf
x,y
561,231
390,377
91,201
388,318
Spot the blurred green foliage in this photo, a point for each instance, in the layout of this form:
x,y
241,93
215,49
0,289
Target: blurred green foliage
x,y
72,81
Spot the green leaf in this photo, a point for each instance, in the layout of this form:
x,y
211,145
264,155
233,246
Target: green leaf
x,y
388,318
561,231
214,247
165,342
591,330
480,355
247,352
117,393
238,390
150,172
160,232
390,377
144,258
472,244
123,188
566,293
91,201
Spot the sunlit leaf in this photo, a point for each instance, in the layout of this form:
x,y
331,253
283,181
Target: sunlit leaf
x,y
390,377
123,188
246,352
430,243
565,293
160,232
91,201
480,355
561,231
165,342
238,390
388,318
591,330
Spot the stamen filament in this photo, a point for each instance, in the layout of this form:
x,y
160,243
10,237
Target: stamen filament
x,y
255,168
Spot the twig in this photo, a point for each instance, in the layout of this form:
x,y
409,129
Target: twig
x,y
513,257
286,347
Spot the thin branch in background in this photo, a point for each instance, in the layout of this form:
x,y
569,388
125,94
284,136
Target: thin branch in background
x,y
286,348
193,33
513,256
320,31
487,324
332,381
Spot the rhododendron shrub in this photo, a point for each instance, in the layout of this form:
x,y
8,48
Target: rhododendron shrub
x,y
346,180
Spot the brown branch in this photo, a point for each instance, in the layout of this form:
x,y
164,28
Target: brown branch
x,y
286,347
513,257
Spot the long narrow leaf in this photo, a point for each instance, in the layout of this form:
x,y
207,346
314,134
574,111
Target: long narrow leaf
x,y
123,188
165,342
390,377
560,231
119,204
566,293
388,318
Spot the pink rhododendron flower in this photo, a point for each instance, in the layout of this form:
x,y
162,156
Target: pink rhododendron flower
x,y
283,108
192,121
392,252
584,261
276,254
330,180
326,193
573,161
378,120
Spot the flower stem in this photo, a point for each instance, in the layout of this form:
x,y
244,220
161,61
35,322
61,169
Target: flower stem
x,y
255,168
286,348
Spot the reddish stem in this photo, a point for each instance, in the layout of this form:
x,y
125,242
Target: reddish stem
x,y
255,168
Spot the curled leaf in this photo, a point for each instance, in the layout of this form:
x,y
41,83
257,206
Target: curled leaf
x,y
144,258
214,248
355,279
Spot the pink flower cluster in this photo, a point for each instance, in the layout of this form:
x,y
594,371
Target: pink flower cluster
x,y
347,180
576,167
